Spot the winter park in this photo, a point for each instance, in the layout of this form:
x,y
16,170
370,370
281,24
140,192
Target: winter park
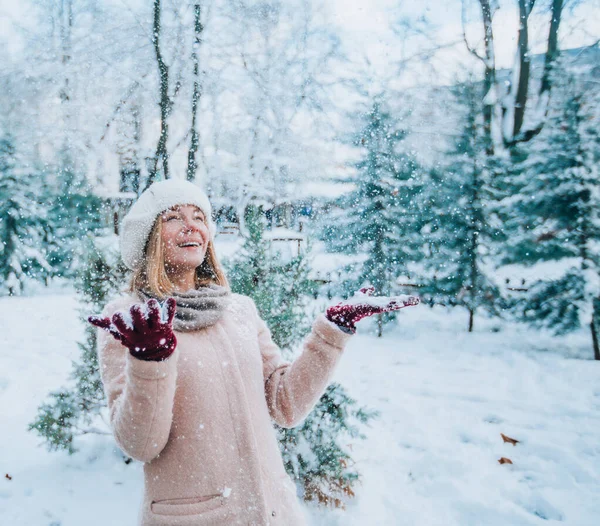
x,y
300,263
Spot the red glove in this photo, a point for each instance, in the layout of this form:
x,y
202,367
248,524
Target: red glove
x,y
147,335
347,314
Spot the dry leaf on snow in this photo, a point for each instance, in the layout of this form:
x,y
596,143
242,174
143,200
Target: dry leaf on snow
x,y
512,441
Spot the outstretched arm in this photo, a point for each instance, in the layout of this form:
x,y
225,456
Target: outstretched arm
x,y
293,389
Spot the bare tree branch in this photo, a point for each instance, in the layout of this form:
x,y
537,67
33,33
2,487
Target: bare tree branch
x,y
130,91
470,49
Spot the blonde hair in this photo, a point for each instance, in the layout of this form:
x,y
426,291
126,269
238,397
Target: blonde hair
x,y
152,274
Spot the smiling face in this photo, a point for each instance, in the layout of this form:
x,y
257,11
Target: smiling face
x,y
185,238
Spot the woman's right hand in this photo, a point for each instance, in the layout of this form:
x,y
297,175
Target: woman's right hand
x,y
143,330
347,313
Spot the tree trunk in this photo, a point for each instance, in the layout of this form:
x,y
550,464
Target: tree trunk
x,y
552,49
514,104
66,27
546,83
46,244
165,102
379,325
194,141
476,226
65,16
520,101
595,337
489,76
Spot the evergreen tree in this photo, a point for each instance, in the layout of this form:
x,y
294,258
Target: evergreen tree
x,y
72,410
378,217
128,146
554,217
280,290
74,212
460,227
22,220
313,452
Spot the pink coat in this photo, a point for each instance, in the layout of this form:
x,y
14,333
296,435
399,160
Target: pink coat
x,y
201,420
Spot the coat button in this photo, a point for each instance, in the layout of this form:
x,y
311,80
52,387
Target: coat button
x,y
273,513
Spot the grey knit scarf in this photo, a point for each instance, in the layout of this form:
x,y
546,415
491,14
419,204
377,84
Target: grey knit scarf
x,y
197,309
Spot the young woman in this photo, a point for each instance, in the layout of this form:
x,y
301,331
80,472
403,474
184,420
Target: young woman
x,y
193,384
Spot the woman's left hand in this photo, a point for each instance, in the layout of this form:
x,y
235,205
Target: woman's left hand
x,y
348,313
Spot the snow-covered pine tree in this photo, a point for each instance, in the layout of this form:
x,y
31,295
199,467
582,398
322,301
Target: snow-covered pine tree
x,y
280,290
378,218
74,211
555,216
128,146
22,222
315,452
461,232
73,409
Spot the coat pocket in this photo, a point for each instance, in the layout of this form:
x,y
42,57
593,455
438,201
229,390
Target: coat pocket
x,y
188,506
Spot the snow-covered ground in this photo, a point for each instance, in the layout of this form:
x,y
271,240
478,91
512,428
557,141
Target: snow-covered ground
x,y
430,459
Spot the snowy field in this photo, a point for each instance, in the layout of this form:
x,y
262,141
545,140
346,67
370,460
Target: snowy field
x,y
430,459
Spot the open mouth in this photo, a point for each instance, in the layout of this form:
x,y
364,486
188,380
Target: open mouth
x,y
189,244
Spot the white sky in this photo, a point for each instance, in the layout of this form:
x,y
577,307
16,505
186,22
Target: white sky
x,y
365,30
365,26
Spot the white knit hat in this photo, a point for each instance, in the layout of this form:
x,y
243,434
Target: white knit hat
x,y
157,198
